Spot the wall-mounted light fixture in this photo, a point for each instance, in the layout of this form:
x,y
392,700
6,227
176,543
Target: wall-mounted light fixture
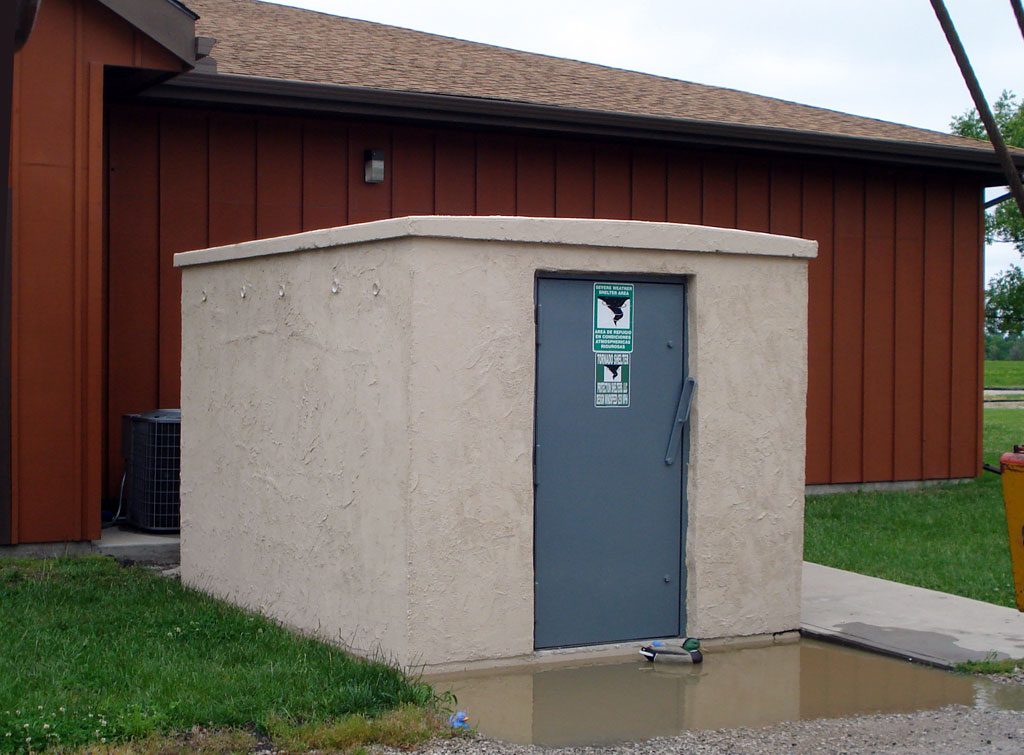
x,y
373,162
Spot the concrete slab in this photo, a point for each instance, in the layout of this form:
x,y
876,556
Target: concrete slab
x,y
884,487
46,550
122,543
131,545
910,622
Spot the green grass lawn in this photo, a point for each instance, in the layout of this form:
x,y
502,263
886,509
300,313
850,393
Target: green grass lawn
x,y
93,653
950,538
1004,374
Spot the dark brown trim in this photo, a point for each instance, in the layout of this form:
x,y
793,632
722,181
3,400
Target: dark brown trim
x,y
8,23
24,20
226,90
166,22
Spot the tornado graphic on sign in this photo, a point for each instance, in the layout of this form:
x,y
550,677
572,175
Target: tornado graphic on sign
x,y
613,317
611,380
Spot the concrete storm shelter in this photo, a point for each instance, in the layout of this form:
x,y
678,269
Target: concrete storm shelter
x,y
469,439
145,128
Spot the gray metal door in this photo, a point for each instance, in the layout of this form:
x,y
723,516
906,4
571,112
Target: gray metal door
x,y
609,507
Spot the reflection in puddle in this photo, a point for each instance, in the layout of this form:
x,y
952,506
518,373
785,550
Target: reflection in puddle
x,y
625,701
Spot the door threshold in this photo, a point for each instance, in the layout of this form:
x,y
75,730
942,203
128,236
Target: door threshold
x,y
586,655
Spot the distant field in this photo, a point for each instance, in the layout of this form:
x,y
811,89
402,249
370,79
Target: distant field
x,y
1004,374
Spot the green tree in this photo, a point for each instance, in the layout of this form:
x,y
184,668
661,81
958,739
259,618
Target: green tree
x,y
1005,222
1004,296
1004,303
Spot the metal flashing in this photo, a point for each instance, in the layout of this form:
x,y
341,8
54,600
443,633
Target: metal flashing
x,y
231,90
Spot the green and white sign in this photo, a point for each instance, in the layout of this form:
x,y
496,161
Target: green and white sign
x,y
611,379
613,317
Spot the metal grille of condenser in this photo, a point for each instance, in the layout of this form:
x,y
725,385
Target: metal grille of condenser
x,y
152,451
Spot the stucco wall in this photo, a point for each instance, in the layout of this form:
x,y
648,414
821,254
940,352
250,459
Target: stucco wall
x,y
294,467
358,466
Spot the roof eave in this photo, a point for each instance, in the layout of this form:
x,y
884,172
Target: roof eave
x,y
299,96
167,22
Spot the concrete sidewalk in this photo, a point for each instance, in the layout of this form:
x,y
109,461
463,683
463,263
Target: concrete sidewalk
x,y
911,622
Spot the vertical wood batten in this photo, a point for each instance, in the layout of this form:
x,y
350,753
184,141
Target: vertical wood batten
x,y
684,188
718,200
184,207
574,180
495,176
535,178
785,216
324,176
817,224
101,39
95,309
232,161
979,311
753,196
650,193
966,394
412,168
455,173
879,328
938,323
278,177
43,286
133,276
909,336
613,183
81,291
848,329
15,267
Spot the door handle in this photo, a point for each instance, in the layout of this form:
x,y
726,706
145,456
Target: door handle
x,y
675,437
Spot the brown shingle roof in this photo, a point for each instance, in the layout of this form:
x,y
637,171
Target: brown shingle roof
x,y
274,41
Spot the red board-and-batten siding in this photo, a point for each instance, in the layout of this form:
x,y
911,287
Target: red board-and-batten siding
x,y
895,294
57,268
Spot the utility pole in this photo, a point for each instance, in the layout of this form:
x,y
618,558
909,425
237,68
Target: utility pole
x,y
1018,12
980,103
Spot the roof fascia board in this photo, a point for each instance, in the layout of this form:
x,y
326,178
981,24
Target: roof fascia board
x,y
166,22
297,96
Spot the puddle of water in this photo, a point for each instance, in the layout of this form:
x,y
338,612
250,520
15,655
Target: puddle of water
x,y
626,701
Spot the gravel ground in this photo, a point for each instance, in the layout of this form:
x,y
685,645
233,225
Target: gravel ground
x,y
1012,677
949,730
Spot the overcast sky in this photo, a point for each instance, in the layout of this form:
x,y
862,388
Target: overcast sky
x,y
880,58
